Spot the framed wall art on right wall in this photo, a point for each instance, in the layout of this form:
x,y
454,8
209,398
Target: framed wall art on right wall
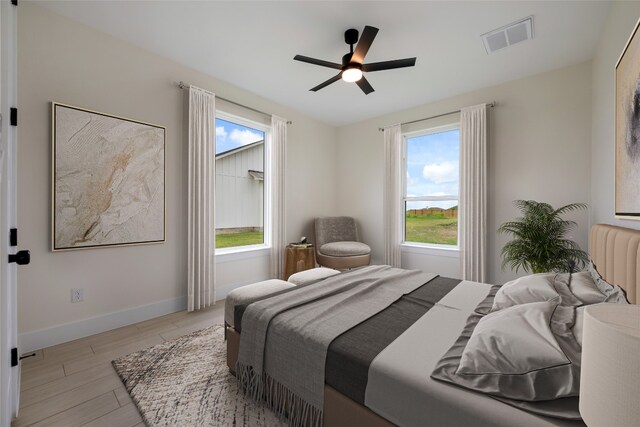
x,y
627,139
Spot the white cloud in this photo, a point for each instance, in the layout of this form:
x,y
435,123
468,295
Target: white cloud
x,y
244,137
221,133
441,173
411,181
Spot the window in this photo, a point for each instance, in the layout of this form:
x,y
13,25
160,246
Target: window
x,y
240,182
430,203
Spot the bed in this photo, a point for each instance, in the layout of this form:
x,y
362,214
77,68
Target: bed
x,y
383,362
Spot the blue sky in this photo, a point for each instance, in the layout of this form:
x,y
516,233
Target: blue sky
x,y
230,135
433,167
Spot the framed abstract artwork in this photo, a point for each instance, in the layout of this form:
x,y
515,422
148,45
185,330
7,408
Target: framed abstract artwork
x,y
627,125
108,180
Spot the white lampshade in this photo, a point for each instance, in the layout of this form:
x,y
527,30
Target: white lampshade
x,y
351,75
610,376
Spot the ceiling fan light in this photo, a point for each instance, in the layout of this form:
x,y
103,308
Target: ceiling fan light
x,y
351,75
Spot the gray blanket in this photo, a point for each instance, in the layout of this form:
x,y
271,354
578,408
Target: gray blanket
x,y
284,340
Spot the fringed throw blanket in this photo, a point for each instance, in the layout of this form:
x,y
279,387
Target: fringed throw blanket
x,y
284,340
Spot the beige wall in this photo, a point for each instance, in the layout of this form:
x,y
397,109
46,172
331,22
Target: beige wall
x,y
545,137
620,24
61,60
539,148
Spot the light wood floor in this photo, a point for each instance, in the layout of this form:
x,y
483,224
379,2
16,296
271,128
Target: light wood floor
x,y
74,384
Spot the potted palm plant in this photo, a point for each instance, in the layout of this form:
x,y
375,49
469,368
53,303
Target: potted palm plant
x,y
539,241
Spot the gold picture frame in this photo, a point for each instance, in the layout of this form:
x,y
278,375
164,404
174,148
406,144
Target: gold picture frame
x,y
108,180
627,130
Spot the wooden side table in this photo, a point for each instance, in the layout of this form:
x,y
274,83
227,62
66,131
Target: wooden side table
x,y
299,259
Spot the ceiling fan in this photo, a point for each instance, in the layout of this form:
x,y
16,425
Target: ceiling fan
x,y
353,62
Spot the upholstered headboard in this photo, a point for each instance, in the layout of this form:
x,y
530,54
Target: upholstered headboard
x,y
616,253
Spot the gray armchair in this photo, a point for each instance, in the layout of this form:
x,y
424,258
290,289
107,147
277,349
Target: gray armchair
x,y
338,245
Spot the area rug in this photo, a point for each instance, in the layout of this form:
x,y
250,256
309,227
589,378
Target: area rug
x,y
186,382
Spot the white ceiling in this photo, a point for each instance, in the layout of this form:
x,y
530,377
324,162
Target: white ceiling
x,y
252,45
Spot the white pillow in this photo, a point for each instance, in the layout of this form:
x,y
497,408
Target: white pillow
x,y
585,289
533,288
613,293
512,341
525,352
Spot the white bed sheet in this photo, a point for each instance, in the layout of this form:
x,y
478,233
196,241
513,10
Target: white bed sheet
x,y
401,390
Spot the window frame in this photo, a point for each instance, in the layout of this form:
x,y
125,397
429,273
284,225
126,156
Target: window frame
x,y
420,246
261,248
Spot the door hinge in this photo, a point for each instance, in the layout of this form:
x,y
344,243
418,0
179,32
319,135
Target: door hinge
x,y
14,357
13,117
13,237
14,2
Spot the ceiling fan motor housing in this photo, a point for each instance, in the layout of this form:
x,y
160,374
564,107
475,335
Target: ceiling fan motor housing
x,y
346,62
351,36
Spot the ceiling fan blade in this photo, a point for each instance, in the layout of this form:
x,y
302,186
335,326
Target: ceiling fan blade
x,y
365,86
327,83
319,62
389,65
368,34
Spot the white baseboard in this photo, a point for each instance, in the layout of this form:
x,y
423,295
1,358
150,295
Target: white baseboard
x,y
42,338
66,332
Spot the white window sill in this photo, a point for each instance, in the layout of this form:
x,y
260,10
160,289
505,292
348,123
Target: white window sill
x,y
241,252
433,250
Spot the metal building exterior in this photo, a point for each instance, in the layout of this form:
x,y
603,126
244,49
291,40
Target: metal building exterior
x,y
240,189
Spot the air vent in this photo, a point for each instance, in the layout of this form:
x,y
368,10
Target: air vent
x,y
508,35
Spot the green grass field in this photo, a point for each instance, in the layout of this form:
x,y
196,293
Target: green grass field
x,y
239,239
419,228
437,229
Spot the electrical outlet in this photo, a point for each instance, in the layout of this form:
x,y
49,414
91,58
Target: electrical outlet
x,y
77,295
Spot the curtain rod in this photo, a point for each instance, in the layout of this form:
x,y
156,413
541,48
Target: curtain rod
x,y
183,85
489,104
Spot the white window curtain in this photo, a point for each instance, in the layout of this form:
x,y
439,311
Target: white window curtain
x,y
473,192
392,195
277,187
201,203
